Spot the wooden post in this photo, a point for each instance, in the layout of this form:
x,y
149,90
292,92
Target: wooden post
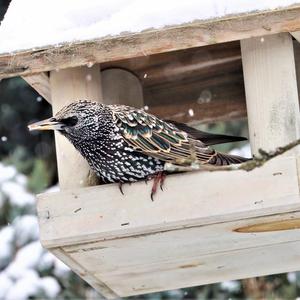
x,y
121,87
67,86
271,91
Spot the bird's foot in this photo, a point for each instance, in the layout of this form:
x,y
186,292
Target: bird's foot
x,y
159,179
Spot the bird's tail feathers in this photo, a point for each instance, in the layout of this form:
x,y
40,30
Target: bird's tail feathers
x,y
222,159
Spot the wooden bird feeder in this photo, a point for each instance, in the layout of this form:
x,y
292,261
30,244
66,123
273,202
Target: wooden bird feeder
x,y
205,227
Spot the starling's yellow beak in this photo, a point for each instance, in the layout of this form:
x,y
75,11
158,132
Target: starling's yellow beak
x,y
48,124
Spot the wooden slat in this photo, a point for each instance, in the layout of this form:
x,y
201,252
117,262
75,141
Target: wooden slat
x,y
121,87
198,33
41,83
68,86
83,273
189,256
271,91
296,35
102,212
207,269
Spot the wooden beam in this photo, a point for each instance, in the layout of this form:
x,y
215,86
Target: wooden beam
x,y
181,203
68,86
82,272
41,83
172,273
271,91
195,34
121,87
296,35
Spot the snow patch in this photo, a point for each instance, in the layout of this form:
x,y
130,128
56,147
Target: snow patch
x,y
25,288
7,172
6,246
60,269
46,262
244,151
5,284
231,285
26,229
34,23
17,194
50,287
29,255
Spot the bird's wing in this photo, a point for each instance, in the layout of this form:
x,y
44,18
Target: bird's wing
x,y
206,137
154,137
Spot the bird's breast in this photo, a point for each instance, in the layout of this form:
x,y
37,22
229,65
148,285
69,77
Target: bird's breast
x,y
116,161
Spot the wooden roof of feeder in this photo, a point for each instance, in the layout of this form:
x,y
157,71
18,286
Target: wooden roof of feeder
x,y
171,58
206,226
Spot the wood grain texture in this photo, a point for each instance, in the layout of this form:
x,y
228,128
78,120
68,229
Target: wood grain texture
x,y
188,256
271,91
296,35
101,212
195,34
207,269
278,225
121,87
207,80
41,83
67,86
83,273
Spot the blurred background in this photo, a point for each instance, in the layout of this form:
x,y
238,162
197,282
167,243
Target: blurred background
x,y
28,167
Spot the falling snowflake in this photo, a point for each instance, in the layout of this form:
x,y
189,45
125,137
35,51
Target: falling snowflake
x,y
39,99
191,112
88,77
145,75
262,39
3,138
146,107
89,64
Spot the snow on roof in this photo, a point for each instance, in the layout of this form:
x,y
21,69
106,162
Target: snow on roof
x,y
35,23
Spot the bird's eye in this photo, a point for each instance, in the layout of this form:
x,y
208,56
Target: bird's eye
x,y
71,121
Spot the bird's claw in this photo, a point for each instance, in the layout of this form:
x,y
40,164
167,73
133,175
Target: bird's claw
x,y
121,188
159,178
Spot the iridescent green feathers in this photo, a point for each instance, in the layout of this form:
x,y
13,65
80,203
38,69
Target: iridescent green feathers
x,y
163,140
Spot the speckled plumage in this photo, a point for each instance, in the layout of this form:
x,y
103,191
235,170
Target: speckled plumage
x,y
125,144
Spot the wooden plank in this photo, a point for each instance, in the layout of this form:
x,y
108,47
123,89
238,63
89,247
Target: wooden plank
x,y
41,83
85,274
239,264
68,86
296,35
121,87
174,255
207,80
186,244
102,212
271,91
195,34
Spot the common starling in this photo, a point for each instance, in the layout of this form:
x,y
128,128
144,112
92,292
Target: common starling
x,y
124,144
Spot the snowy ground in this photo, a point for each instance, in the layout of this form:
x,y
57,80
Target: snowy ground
x,y
36,23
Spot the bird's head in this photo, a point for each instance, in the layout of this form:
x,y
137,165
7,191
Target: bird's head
x,y
78,120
